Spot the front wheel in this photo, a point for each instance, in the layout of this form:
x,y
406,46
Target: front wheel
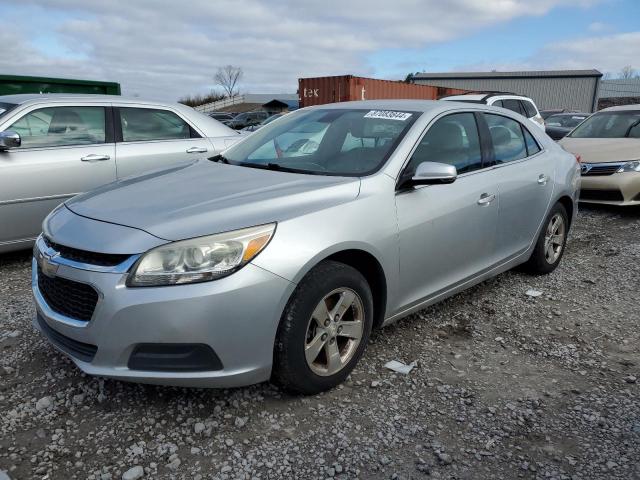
x,y
324,329
551,242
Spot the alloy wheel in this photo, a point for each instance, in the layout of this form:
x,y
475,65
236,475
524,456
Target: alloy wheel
x,y
334,331
554,238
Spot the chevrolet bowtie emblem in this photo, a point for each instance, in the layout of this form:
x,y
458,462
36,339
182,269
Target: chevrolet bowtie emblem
x,y
47,267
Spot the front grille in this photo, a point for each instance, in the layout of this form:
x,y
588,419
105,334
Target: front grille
x,y
66,297
601,195
82,351
599,169
85,256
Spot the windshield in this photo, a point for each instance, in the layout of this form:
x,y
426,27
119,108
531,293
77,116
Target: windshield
x,y
271,119
614,124
6,107
338,141
568,121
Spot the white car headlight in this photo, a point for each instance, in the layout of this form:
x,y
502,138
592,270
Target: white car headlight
x,y
633,166
200,259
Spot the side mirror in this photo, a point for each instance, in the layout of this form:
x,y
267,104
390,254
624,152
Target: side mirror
x,y
9,139
433,173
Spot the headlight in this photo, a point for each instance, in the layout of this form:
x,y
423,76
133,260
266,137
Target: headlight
x,y
633,166
200,259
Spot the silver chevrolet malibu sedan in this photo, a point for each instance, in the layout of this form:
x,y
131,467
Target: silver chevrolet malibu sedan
x,y
278,258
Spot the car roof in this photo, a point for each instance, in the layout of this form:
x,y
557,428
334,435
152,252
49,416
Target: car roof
x,y
635,106
570,114
78,97
482,96
435,107
413,105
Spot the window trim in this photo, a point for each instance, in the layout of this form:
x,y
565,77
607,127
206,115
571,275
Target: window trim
x,y
108,126
117,122
405,165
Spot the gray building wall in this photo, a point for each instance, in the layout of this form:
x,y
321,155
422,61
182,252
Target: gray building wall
x,y
572,92
628,87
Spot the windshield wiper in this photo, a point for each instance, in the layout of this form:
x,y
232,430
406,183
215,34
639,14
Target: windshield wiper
x,y
276,167
219,158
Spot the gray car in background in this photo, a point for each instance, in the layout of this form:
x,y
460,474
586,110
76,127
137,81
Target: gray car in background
x,y
277,259
55,146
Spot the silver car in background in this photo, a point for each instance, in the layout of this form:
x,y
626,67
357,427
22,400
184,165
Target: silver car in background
x,y
277,259
55,146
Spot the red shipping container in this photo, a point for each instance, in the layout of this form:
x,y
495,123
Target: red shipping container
x,y
346,88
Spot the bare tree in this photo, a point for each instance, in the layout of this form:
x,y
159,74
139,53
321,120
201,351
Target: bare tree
x,y
627,72
228,78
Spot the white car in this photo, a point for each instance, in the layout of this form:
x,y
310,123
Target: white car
x,y
55,146
516,103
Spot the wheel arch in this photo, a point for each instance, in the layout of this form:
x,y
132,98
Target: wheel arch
x,y
365,262
567,203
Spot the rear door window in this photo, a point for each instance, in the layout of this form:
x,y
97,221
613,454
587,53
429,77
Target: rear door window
x,y
507,137
529,109
146,124
61,126
512,104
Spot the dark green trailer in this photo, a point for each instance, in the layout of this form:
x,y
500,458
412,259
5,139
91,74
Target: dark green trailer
x,y
11,84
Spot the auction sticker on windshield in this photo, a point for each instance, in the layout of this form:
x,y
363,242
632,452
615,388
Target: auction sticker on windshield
x,y
388,114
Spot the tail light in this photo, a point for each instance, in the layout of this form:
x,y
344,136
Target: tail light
x,y
578,158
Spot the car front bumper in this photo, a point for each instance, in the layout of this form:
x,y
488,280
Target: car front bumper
x,y
616,189
237,316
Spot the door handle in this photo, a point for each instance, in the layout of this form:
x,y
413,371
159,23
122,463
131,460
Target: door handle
x,y
196,150
486,198
542,179
95,158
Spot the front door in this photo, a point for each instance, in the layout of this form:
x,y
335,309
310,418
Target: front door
x,y
447,232
153,138
65,150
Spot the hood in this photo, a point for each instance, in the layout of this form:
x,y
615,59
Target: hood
x,y
204,197
596,150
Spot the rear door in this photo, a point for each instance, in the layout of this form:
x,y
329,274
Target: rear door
x,y
66,150
150,137
525,173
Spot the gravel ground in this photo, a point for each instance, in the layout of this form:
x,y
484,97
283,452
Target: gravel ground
x,y
506,386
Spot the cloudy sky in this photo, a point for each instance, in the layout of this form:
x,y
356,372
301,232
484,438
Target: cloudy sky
x,y
166,49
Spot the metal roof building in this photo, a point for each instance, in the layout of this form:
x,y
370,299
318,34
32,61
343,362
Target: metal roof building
x,y
573,89
621,87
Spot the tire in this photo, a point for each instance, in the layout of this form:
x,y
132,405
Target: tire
x,y
302,331
541,261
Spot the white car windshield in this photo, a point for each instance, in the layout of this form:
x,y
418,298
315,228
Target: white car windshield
x,y
616,124
339,141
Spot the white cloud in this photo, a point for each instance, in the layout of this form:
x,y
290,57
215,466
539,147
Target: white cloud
x,y
607,53
167,48
598,27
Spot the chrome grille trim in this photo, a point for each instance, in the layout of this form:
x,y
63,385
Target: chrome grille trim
x,y
604,168
54,256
